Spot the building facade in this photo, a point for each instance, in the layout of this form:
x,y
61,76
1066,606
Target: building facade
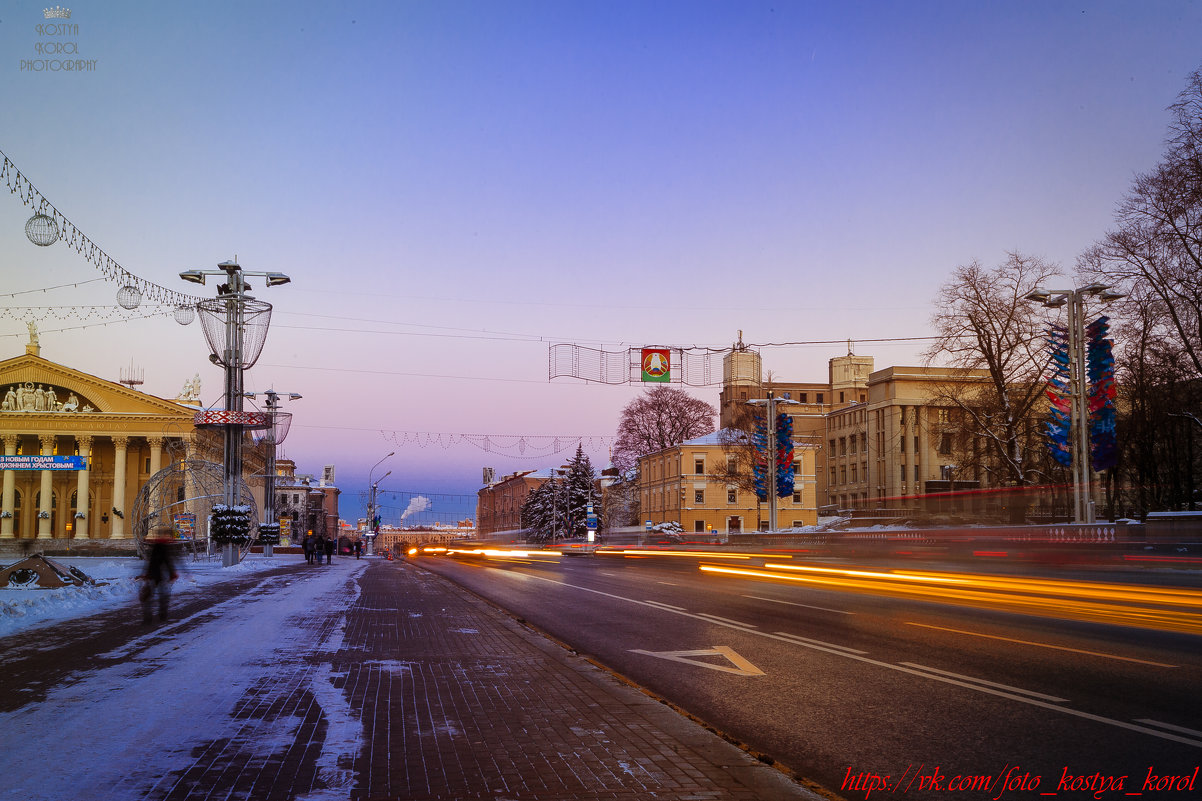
x,y
122,436
499,504
689,484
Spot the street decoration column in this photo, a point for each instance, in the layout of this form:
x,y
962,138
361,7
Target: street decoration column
x,y
10,478
81,488
120,444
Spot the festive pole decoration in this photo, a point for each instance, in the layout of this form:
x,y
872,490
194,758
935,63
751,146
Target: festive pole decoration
x,y
1103,440
784,455
1058,429
759,464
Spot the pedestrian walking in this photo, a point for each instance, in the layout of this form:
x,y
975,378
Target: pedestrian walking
x,y
329,551
160,572
307,545
358,548
319,547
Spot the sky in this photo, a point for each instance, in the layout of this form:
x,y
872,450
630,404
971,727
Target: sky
x,y
455,187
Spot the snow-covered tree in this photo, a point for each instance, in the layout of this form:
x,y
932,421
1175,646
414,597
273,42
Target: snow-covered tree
x,y
579,493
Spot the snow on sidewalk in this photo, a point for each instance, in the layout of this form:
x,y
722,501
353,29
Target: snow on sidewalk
x,y
22,609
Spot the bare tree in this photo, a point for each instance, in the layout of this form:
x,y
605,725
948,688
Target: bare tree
x,y
658,419
984,323
1155,249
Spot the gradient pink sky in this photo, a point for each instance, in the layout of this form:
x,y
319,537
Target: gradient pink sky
x,y
455,186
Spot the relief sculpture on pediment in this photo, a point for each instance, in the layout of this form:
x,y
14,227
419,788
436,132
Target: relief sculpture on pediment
x,y
28,397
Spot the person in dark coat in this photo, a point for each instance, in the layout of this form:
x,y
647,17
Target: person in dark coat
x,y
358,548
307,546
329,549
319,547
160,572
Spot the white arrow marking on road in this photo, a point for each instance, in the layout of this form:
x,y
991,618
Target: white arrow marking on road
x,y
741,666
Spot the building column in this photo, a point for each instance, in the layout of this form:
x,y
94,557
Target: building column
x,y
81,488
119,446
9,499
47,494
156,454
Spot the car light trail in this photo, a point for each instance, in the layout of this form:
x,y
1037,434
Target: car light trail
x,y
1143,607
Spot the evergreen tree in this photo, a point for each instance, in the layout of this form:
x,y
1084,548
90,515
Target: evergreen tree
x,y
579,492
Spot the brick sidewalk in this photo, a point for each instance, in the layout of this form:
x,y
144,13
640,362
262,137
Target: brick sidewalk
x,y
392,684
456,700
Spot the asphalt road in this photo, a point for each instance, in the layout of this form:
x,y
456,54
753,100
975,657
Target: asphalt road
x,y
876,696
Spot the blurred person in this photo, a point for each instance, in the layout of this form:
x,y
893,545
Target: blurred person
x,y
329,549
159,573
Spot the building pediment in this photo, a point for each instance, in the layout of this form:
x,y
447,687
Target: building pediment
x,y
30,384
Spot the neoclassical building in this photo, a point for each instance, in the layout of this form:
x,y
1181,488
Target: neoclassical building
x,y
47,409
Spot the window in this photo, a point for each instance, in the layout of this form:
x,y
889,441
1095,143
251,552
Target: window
x,y
854,479
863,397
943,416
817,397
801,396
798,523
945,444
840,397
698,496
902,410
832,481
699,526
797,467
903,474
787,395
851,443
832,446
842,446
699,466
843,475
915,474
796,496
743,395
147,470
732,495
916,443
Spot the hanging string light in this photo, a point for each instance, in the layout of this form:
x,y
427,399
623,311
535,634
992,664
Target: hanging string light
x,y
48,225
129,297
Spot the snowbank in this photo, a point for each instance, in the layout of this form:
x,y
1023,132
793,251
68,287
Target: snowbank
x,y
117,585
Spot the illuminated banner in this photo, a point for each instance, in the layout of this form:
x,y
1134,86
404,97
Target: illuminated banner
x,y
184,525
39,462
657,364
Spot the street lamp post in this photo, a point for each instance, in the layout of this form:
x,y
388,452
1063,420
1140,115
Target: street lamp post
x,y
235,327
1074,300
373,486
278,424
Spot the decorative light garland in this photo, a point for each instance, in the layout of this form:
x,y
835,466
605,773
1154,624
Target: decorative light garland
x,y
48,225
517,446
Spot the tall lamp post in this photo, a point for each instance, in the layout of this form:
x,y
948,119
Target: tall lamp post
x,y
1074,300
373,486
235,326
278,424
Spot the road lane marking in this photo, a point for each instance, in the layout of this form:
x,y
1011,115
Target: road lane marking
x,y
794,603
665,606
708,616
1181,729
1042,645
808,641
742,667
669,583
1012,689
1121,724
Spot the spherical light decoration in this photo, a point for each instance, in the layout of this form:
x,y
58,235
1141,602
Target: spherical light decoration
x,y
129,297
185,314
42,230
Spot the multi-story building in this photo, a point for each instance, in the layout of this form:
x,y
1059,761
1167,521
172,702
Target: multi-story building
x,y
690,484
119,438
499,504
305,504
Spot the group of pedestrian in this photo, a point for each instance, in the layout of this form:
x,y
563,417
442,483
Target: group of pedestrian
x,y
316,546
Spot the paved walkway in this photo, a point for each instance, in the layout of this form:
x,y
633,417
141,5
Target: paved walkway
x,y
360,680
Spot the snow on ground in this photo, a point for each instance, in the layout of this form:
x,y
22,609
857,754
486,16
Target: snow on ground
x,y
176,689
117,586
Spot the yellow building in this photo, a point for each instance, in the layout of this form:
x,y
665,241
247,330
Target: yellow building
x,y
687,484
124,437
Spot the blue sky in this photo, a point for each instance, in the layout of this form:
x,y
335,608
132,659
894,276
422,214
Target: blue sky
x,y
454,186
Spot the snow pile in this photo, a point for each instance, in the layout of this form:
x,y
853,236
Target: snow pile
x,y
117,586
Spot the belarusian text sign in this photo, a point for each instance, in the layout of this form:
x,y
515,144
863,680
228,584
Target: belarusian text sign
x,y
39,462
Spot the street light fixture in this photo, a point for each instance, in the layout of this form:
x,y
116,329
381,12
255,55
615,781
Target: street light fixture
x,y
372,530
278,425
1083,505
235,327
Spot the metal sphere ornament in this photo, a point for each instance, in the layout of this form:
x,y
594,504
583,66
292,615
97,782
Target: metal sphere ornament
x,y
129,297
42,230
185,314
